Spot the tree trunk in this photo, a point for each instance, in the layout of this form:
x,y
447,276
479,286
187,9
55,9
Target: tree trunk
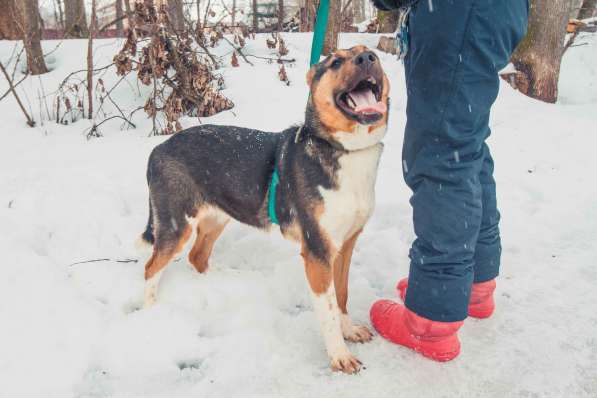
x,y
255,20
9,21
92,29
539,55
333,28
56,17
198,13
308,11
32,36
120,22
347,15
387,44
60,14
359,10
280,15
588,9
176,14
233,22
388,21
128,11
75,19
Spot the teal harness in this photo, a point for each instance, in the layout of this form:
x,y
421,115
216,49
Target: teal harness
x,y
321,22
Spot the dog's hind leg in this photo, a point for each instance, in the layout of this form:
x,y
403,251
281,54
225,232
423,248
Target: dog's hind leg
x,y
350,332
211,224
174,197
151,288
169,240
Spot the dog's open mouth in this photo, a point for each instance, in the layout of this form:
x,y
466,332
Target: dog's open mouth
x,y
363,102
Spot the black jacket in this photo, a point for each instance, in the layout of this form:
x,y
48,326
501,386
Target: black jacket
x,y
388,5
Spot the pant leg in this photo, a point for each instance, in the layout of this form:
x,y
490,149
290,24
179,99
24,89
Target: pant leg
x,y
488,249
457,48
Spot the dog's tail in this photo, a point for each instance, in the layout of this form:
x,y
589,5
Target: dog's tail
x,y
147,238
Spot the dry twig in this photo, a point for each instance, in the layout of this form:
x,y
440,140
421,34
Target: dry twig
x,y
30,121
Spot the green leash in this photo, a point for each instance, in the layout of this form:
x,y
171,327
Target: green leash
x,y
321,22
271,201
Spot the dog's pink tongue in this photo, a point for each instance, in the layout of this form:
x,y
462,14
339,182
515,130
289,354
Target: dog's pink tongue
x,y
366,103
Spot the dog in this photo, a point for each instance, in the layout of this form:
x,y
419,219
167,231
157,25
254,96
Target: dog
x,y
204,176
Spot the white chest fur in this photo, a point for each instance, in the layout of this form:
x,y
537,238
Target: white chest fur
x,y
348,207
360,138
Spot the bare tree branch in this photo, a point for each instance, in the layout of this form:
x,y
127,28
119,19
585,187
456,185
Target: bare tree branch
x,y
14,86
111,23
97,260
238,51
30,121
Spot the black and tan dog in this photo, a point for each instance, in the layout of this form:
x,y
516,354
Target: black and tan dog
x,y
202,177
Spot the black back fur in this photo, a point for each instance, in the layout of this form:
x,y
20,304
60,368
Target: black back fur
x,y
231,168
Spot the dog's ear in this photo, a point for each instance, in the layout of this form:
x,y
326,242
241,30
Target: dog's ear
x,y
315,68
310,75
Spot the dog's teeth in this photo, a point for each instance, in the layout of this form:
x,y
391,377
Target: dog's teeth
x,y
354,104
372,80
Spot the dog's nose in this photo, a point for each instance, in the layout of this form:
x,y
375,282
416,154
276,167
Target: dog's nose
x,y
366,60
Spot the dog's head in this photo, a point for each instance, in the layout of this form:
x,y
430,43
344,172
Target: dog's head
x,y
349,89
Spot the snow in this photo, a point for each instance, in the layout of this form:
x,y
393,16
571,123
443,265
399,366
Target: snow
x,y
247,327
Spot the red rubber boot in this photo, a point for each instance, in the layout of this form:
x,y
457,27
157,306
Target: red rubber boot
x,y
435,340
481,304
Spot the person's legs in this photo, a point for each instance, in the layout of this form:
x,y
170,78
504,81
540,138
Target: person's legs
x,y
488,249
452,82
457,49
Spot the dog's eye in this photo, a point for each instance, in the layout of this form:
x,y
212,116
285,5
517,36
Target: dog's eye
x,y
336,64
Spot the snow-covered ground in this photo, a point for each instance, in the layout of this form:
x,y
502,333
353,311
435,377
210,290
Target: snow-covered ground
x,y
247,328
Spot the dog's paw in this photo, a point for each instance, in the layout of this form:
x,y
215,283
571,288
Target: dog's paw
x,y
149,300
358,334
346,363
355,333
147,304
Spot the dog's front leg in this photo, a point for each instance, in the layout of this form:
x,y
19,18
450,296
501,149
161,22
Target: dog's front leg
x,y
351,332
321,281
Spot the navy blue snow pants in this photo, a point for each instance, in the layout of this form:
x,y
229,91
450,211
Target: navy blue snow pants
x,y
456,49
